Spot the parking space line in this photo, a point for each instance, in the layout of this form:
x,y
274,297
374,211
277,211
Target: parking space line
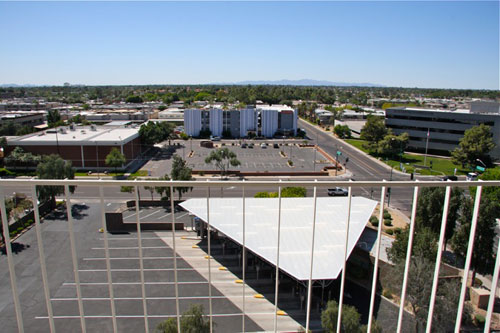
x,y
137,258
178,217
140,298
163,216
157,316
137,283
131,247
130,238
153,213
135,269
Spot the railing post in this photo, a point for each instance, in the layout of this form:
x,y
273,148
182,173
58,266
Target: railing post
x,y
346,248
493,291
177,311
408,259
108,262
438,258
10,261
309,286
141,262
276,285
41,253
377,255
74,258
209,260
243,255
468,260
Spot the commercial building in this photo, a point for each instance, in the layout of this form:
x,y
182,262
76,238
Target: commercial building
x,y
266,120
444,128
86,147
23,118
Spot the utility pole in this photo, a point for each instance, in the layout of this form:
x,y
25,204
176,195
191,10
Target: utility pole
x,y
426,146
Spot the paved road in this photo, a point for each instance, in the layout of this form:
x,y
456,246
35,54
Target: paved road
x,y
361,166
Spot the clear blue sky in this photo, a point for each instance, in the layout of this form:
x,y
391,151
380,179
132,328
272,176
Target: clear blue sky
x,y
408,44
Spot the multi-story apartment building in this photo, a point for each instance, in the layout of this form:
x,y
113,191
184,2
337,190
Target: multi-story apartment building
x,y
443,128
264,121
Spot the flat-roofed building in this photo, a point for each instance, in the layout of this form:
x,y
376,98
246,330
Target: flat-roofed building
x,y
445,128
23,118
264,121
86,146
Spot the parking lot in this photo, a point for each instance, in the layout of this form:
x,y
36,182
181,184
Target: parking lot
x,y
256,159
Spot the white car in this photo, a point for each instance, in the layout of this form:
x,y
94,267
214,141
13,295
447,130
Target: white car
x,y
338,191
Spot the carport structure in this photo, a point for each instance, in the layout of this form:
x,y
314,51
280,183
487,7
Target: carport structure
x,y
304,238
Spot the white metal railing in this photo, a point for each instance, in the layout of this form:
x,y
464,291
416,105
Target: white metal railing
x,y
244,185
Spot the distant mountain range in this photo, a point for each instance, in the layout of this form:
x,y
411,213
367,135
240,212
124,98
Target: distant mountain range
x,y
303,82
308,82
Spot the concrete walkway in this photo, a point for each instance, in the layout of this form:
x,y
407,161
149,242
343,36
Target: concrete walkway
x,y
259,310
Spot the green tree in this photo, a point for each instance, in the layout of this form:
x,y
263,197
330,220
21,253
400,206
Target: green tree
x,y
476,144
293,192
155,132
115,159
342,131
222,158
53,167
491,192
134,99
53,118
163,191
418,292
192,321
19,157
180,171
424,245
374,129
483,256
350,320
430,210
392,145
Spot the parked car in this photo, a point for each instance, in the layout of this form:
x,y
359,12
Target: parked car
x,y
263,145
276,145
214,138
337,191
452,178
471,176
250,145
244,145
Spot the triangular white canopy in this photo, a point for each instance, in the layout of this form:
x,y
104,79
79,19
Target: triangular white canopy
x,y
297,215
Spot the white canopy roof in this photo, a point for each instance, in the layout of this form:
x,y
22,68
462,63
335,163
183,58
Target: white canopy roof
x,y
261,225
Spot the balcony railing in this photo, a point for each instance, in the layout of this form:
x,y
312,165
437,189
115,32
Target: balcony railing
x,y
245,188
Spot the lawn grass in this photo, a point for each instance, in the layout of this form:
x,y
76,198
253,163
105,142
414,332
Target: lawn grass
x,y
440,166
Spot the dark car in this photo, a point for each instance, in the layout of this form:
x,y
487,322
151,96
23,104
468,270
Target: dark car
x,y
276,145
243,145
338,191
452,178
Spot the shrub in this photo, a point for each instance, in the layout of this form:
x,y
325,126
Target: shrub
x,y
387,222
387,216
397,231
374,220
479,320
4,172
389,231
290,162
201,173
386,293
478,282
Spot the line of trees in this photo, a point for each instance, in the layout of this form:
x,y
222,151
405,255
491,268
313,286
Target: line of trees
x,y
247,94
